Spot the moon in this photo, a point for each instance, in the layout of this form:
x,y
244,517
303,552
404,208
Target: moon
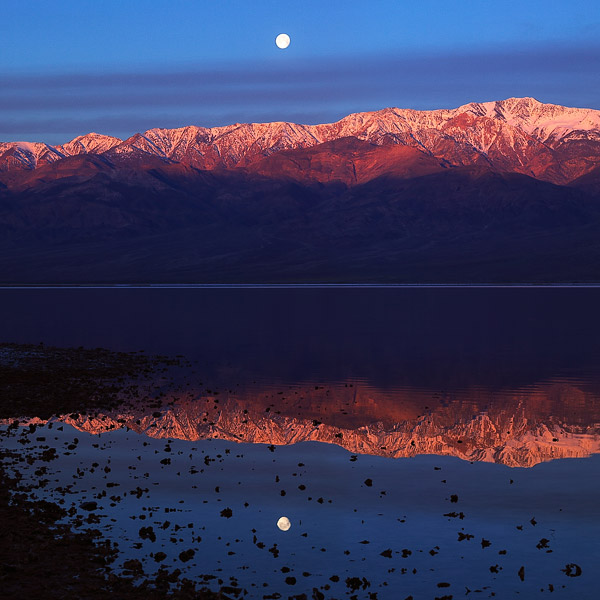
x,y
282,40
284,524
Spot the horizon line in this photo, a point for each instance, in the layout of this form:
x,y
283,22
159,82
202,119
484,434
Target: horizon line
x,y
24,286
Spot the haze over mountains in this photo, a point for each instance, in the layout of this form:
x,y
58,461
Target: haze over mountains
x,y
503,191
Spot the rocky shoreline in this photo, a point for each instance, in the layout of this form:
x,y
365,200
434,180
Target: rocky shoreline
x,y
40,557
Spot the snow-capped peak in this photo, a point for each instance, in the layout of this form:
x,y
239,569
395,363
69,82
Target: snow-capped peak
x,y
94,143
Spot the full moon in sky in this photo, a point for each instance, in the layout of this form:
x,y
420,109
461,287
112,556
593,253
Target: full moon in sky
x,y
284,524
282,40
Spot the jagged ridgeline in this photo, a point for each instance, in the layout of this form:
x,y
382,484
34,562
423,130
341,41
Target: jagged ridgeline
x,y
521,135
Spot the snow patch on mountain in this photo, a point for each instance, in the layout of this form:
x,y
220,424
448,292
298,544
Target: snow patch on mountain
x,y
92,143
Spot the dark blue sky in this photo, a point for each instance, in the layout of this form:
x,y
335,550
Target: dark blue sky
x,y
68,67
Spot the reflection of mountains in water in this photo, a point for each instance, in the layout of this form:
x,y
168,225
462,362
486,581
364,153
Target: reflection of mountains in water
x,y
519,428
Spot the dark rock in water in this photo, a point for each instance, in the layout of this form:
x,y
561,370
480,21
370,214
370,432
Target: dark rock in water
x,y
147,533
133,565
186,555
317,595
49,454
88,506
572,570
521,573
543,543
355,583
454,515
227,513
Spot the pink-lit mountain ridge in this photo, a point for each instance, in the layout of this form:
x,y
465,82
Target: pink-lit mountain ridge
x,y
519,428
546,141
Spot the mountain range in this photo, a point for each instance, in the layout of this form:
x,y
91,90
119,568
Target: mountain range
x,y
519,428
504,191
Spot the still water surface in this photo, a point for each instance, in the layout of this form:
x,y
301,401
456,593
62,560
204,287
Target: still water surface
x,y
414,437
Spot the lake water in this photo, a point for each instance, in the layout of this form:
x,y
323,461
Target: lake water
x,y
424,442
